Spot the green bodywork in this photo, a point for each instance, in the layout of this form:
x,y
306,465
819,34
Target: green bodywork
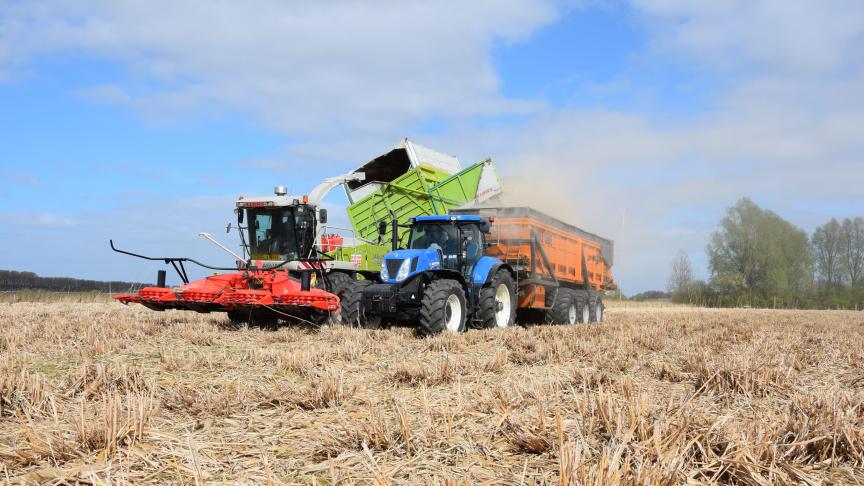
x,y
370,255
421,191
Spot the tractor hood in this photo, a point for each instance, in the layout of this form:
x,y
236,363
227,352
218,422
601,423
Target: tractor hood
x,y
400,265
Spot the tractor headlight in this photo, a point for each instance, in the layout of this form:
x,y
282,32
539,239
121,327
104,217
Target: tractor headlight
x,y
402,274
384,274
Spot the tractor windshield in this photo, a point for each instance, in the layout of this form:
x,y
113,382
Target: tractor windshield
x,y
437,236
280,233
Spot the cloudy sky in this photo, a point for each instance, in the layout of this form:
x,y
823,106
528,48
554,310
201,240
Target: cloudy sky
x,y
642,121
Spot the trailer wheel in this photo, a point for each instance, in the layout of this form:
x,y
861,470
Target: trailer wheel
x,y
498,302
585,316
597,309
442,308
565,309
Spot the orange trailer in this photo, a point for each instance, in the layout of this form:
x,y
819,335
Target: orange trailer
x,y
561,270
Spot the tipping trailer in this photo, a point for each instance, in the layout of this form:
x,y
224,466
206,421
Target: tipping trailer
x,y
560,270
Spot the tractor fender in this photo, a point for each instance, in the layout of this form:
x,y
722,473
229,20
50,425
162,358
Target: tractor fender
x,y
485,269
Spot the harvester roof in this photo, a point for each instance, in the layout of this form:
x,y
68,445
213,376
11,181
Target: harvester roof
x,y
267,201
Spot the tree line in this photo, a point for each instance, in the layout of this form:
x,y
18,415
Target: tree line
x,y
756,258
11,280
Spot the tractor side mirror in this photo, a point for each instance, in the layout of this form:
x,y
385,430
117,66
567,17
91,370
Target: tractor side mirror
x,y
382,228
228,228
322,216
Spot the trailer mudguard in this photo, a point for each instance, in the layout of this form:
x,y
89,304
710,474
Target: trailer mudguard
x,y
485,269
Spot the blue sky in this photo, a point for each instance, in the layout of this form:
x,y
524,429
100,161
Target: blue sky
x,y
642,120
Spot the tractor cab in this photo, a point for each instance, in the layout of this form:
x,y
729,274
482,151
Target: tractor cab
x,y
278,228
446,242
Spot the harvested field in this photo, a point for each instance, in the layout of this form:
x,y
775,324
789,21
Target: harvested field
x,y
98,392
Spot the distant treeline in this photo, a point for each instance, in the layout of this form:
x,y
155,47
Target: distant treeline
x,y
758,259
12,280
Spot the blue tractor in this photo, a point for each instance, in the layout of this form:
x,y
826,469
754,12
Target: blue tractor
x,y
442,281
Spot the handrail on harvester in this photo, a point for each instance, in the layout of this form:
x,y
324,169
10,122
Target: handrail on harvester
x,y
176,262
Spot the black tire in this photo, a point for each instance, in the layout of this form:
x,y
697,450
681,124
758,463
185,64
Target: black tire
x,y
263,319
238,317
583,313
254,318
338,281
340,284
434,307
565,308
596,310
351,307
488,311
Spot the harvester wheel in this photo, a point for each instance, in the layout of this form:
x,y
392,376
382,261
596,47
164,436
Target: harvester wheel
x,y
238,317
565,310
442,308
254,318
498,302
338,281
340,285
351,302
261,319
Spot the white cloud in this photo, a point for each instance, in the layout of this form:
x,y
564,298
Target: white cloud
x,y
300,67
804,36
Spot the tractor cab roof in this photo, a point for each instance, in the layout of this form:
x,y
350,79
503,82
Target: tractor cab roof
x,y
443,218
482,221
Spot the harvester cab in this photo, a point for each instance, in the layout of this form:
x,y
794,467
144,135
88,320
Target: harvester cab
x,y
443,280
277,229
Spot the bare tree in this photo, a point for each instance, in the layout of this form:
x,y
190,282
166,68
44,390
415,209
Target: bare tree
x,y
852,250
827,247
680,275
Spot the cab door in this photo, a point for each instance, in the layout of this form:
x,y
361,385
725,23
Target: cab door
x,y
472,248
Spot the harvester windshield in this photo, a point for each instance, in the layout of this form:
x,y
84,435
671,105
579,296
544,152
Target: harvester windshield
x,y
280,233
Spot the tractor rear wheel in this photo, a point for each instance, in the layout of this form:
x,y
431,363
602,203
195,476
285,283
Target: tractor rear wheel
x,y
565,309
442,308
498,302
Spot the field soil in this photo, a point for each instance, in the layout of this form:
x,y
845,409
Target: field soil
x,y
102,393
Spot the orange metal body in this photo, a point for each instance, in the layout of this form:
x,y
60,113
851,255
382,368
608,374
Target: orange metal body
x,y
510,238
527,240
